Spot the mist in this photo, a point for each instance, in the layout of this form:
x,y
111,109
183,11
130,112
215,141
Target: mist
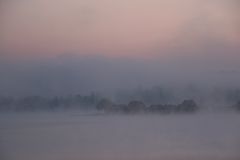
x,y
119,79
73,74
76,136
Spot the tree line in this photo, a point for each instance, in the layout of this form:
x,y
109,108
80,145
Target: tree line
x,y
37,103
107,106
156,99
134,106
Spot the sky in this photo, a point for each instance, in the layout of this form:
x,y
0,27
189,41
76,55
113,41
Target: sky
x,y
114,27
108,44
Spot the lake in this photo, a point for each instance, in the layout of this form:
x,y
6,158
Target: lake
x,y
92,136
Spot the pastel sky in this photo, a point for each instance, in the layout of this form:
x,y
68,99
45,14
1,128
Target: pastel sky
x,y
116,27
72,46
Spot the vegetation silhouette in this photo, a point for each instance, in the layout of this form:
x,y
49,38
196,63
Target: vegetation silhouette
x,y
133,107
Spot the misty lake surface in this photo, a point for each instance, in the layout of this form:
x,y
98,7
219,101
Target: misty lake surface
x,y
90,136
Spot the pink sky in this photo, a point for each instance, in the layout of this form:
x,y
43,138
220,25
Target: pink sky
x,y
139,28
88,45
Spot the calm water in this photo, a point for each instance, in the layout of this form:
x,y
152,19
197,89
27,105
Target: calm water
x,y
78,136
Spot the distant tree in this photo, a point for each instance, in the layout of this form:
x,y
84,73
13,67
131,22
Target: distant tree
x,y
6,103
32,103
54,103
237,106
187,106
135,106
105,105
232,95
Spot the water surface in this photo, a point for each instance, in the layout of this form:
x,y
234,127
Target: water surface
x,y
84,136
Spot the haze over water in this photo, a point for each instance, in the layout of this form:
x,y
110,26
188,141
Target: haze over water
x,y
166,50
74,136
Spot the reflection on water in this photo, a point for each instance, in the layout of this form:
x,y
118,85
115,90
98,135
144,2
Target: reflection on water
x,y
79,136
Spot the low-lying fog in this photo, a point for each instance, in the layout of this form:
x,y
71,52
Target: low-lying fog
x,y
92,136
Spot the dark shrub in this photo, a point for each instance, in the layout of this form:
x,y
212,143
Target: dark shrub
x,y
135,106
187,106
